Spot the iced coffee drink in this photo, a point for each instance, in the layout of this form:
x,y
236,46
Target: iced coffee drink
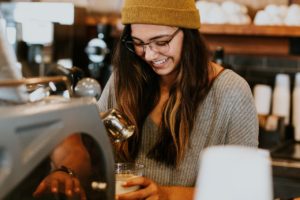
x,y
125,172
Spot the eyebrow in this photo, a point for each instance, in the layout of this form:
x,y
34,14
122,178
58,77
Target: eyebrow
x,y
153,38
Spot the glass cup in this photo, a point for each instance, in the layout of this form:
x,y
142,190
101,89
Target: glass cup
x,y
125,172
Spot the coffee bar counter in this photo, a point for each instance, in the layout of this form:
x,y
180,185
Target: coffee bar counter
x,y
286,170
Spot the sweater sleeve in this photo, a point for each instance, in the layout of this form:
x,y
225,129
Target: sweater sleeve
x,y
243,122
107,99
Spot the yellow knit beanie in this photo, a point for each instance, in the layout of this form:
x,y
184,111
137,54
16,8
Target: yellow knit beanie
x,y
180,13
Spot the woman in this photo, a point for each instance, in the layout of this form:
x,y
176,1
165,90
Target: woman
x,y
178,100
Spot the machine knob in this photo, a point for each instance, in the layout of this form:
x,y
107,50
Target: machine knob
x,y
98,185
88,87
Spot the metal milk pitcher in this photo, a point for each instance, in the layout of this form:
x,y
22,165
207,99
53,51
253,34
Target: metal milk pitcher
x,y
117,125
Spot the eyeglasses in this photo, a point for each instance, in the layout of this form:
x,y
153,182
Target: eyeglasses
x,y
139,48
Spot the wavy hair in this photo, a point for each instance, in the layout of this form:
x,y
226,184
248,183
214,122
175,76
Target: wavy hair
x,y
138,92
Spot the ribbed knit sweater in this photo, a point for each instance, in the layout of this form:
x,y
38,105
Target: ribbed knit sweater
x,y
227,115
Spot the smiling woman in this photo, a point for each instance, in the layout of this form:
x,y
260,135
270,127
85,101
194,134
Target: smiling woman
x,y
178,100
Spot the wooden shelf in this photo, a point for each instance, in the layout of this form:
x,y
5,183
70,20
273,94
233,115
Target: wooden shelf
x,y
276,31
212,29
108,18
251,30
251,39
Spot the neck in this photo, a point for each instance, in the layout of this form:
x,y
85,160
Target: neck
x,y
166,82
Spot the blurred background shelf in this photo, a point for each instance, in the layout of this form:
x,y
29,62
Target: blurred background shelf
x,y
102,18
251,30
254,40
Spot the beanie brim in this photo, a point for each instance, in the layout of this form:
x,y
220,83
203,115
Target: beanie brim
x,y
152,15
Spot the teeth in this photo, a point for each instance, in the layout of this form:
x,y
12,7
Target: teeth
x,y
159,62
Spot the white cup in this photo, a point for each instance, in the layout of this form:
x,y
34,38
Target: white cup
x,y
281,97
297,79
296,107
282,80
125,172
234,173
262,98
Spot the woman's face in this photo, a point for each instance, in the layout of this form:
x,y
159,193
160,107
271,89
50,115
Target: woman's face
x,y
163,51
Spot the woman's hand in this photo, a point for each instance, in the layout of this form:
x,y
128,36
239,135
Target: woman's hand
x,y
149,190
60,182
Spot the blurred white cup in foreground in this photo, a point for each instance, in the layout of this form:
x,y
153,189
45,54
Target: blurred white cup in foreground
x,y
234,173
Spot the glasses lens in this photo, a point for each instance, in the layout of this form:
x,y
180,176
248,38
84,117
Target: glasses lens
x,y
160,46
157,46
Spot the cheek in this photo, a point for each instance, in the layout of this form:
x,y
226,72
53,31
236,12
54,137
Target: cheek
x,y
177,54
177,51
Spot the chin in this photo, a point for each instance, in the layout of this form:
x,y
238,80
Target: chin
x,y
163,71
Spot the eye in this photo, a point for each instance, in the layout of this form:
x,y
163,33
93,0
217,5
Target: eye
x,y
161,43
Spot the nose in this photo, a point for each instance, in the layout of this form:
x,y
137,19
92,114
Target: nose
x,y
149,53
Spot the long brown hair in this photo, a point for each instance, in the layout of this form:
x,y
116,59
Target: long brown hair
x,y
138,91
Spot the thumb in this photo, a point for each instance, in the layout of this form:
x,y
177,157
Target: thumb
x,y
40,189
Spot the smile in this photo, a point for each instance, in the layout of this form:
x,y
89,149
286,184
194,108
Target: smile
x,y
159,62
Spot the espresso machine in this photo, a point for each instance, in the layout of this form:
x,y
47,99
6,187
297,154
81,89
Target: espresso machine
x,y
30,132
33,123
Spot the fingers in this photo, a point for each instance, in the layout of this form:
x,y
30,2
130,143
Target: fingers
x,y
43,187
40,189
76,185
69,187
142,181
139,194
149,190
72,187
60,182
54,186
78,190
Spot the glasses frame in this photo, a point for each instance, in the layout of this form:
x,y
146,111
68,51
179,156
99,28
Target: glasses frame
x,y
127,43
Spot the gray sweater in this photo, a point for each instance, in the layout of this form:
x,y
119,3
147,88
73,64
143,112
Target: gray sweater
x,y
226,116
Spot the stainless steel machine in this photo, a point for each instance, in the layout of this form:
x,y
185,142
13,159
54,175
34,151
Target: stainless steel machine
x,y
30,132
33,123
